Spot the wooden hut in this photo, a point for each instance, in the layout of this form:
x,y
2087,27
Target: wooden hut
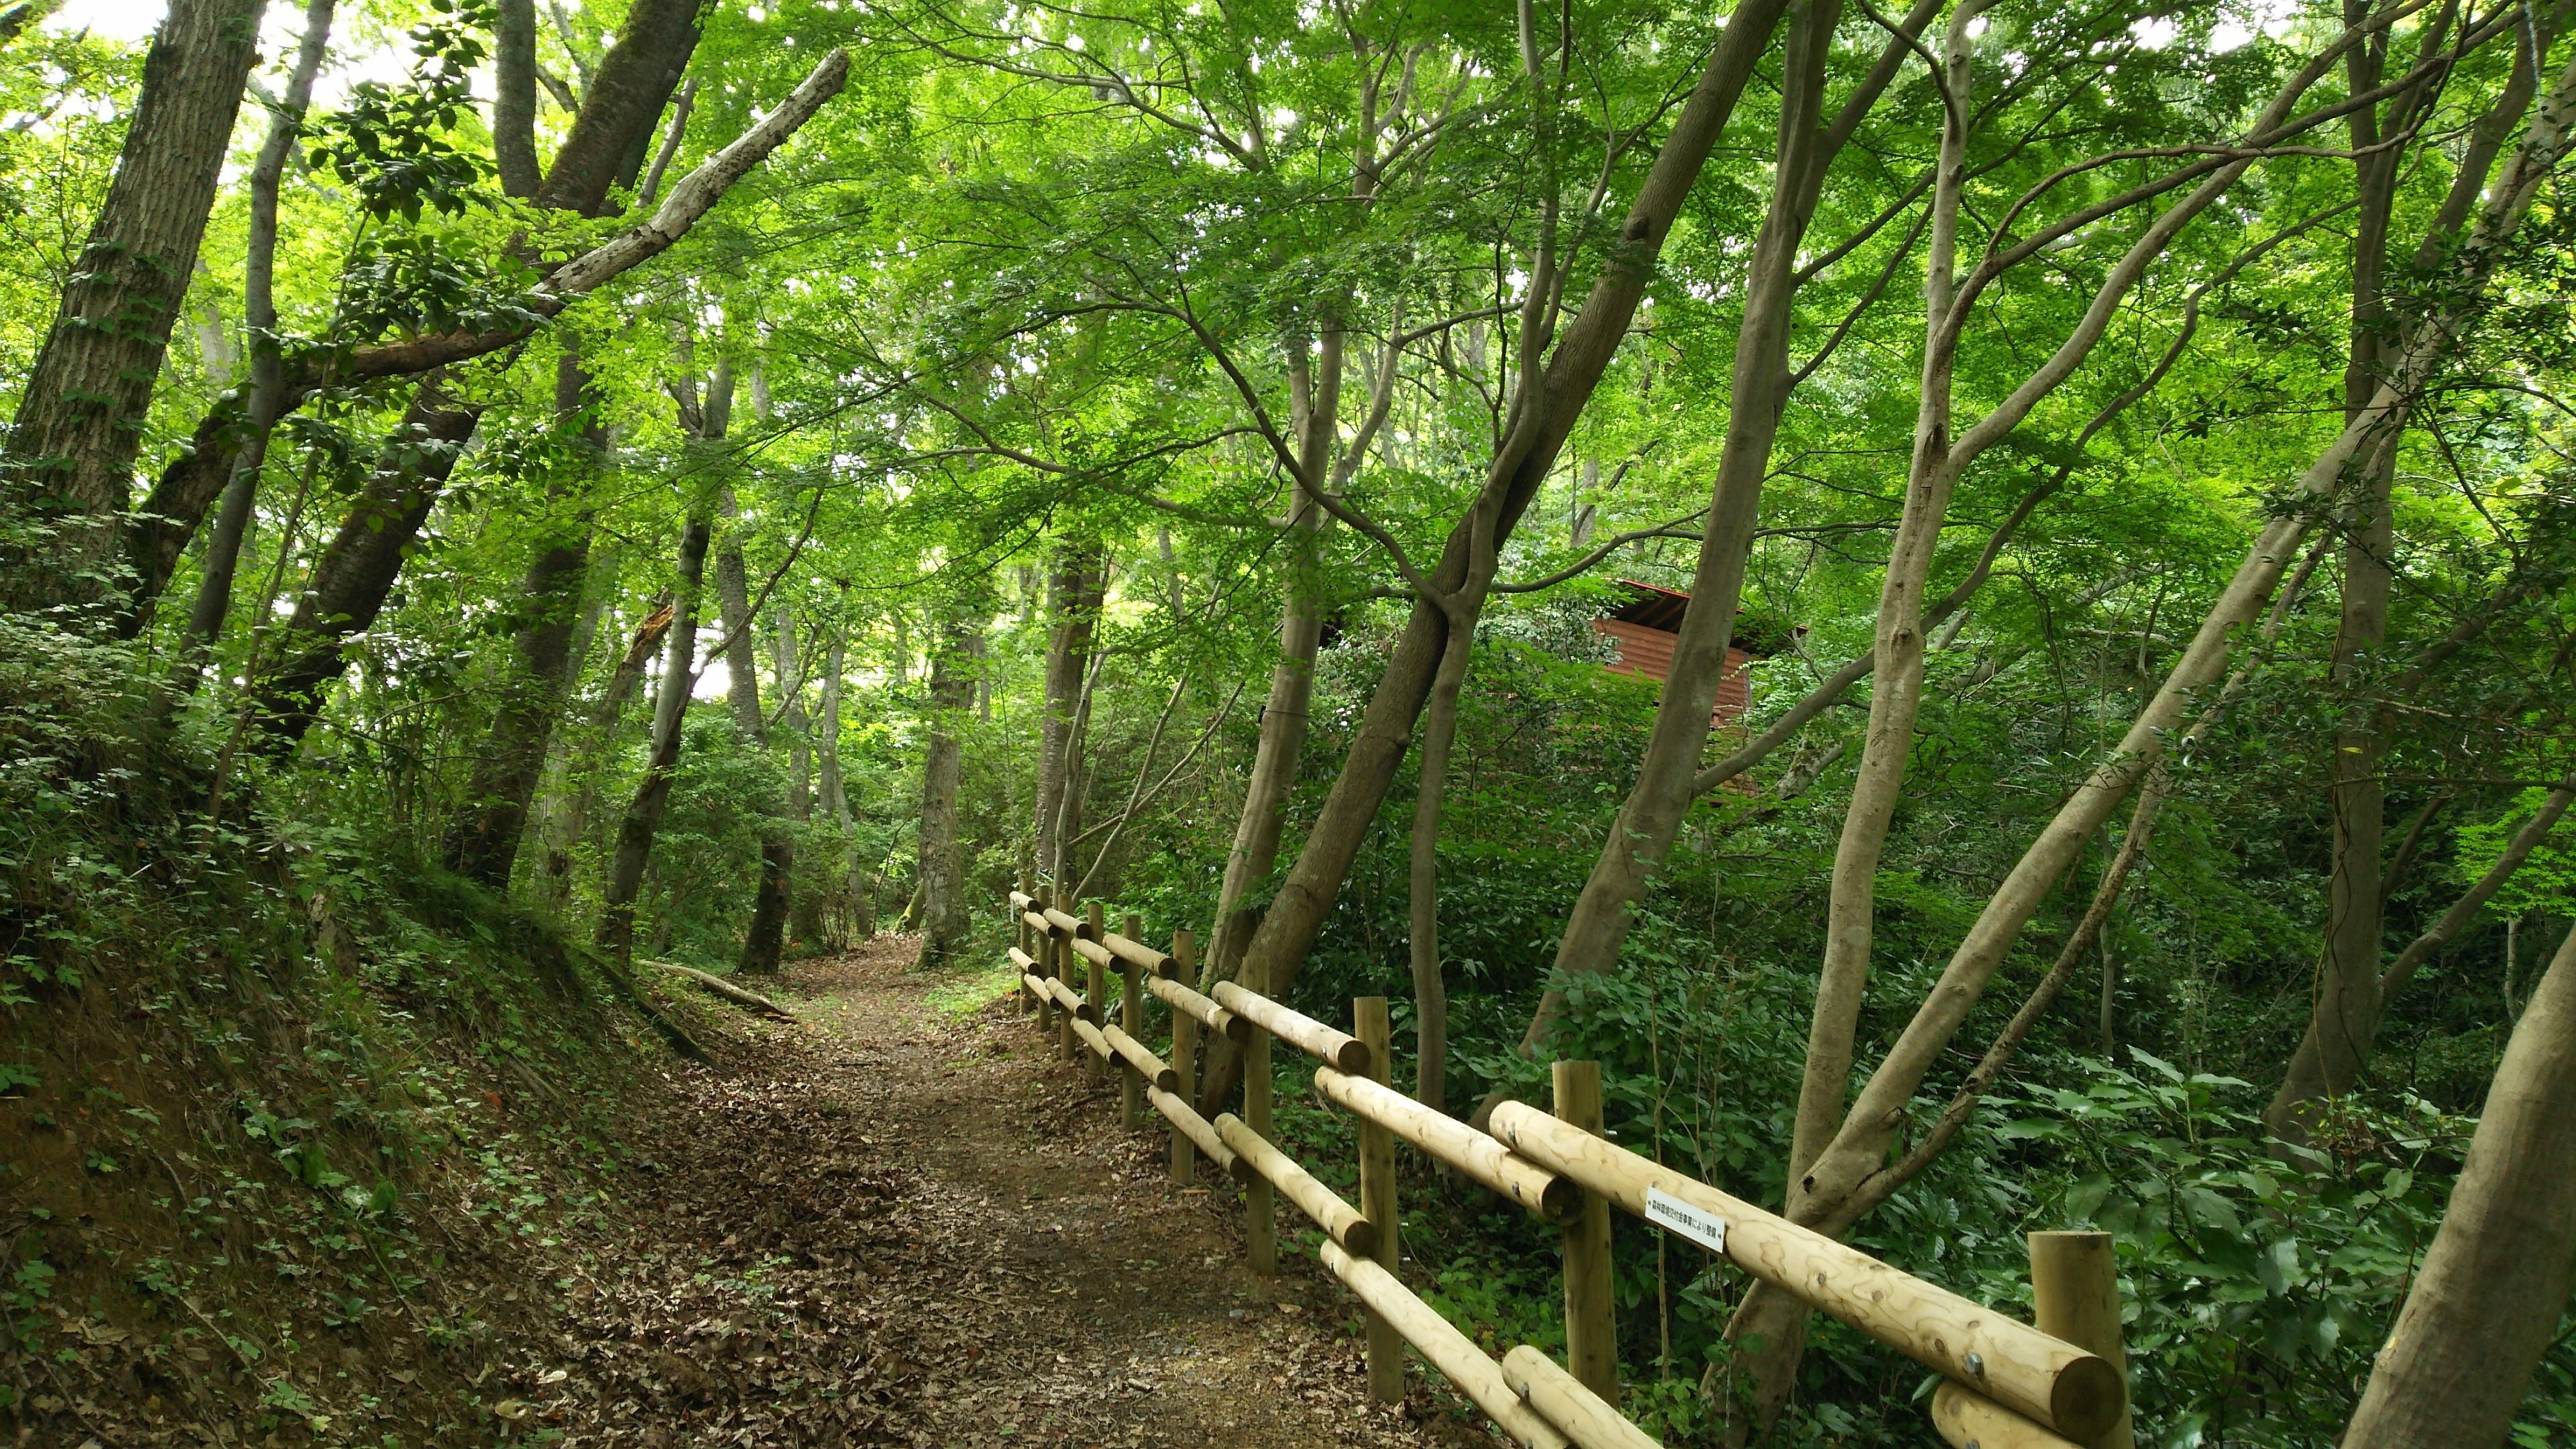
x,y
1644,629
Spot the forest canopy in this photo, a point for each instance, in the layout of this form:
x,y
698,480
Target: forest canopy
x,y
723,481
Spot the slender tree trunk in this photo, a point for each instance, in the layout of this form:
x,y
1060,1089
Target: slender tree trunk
x,y
765,941
2488,1300
2305,1080
1075,590
2347,988
805,917
483,840
1831,1195
945,918
835,792
567,816
1896,697
267,367
349,582
643,818
514,97
1274,758
1430,989
1650,820
1553,399
67,462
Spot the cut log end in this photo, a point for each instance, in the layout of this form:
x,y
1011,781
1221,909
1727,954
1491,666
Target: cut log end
x,y
1353,1057
1561,1201
2087,1398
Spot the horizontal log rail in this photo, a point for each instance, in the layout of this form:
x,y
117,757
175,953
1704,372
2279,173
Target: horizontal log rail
x,y
1550,1196
2007,1385
1450,1351
1305,1033
1561,1399
1319,1203
2064,1388
1135,1054
1200,1009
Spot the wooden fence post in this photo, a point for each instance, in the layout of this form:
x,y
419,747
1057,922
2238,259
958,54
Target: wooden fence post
x,y
1096,993
1043,951
1260,1236
2075,1295
1377,1202
1591,1329
1131,1017
1185,1064
1020,938
1067,1045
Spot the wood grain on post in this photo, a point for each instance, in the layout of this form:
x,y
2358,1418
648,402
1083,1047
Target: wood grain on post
x,y
1091,1036
1341,1221
1332,1048
1201,1134
1069,1004
1097,990
1967,1421
1020,956
1451,1352
2071,1391
1131,1015
1185,1063
1201,1009
1140,1064
1260,1231
1044,941
2075,1295
1580,1414
1552,1197
1377,1200
1591,1329
1128,948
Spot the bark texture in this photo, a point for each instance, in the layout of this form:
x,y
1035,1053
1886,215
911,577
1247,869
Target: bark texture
x,y
643,817
2488,1300
67,464
945,917
1552,399
484,840
267,368
1075,590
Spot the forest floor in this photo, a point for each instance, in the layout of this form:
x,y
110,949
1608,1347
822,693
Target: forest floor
x,y
901,1219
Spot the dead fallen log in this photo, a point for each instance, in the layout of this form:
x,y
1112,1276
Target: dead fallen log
x,y
751,1001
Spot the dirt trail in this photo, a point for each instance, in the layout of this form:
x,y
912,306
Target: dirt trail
x,y
883,1224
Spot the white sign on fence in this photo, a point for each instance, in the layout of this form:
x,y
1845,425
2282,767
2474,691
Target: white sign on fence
x,y
1701,1227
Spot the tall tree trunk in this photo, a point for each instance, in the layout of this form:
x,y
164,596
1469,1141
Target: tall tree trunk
x,y
349,582
836,800
1074,588
565,806
643,818
567,814
514,97
483,840
1274,758
2495,1282
945,918
249,449
2347,988
1552,400
805,917
66,466
2305,1080
764,943
1831,1195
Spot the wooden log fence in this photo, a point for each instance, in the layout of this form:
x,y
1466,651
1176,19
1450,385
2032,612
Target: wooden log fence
x,y
2006,1384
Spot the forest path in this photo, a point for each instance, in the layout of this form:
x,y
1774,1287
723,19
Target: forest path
x,y
987,1257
